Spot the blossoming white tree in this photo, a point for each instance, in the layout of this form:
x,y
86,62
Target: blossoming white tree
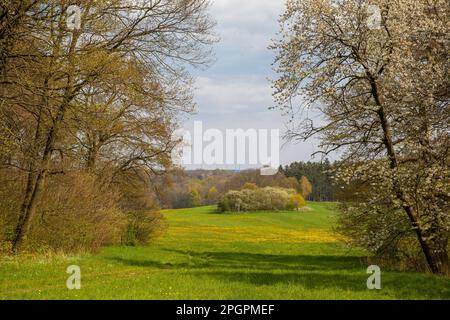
x,y
381,83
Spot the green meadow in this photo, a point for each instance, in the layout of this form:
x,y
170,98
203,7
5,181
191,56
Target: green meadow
x,y
206,255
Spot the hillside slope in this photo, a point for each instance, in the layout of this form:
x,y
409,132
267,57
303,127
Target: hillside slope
x,y
206,255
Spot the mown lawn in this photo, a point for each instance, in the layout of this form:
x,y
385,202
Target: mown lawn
x,y
205,255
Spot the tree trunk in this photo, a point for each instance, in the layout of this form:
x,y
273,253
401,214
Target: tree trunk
x,y
435,251
23,223
27,212
93,154
34,188
439,262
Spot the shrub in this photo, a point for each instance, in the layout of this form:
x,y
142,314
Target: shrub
x,y
212,196
249,186
79,214
268,198
297,201
194,198
143,226
382,231
369,220
305,187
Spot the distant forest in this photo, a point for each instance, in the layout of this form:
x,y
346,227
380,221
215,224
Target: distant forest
x,y
320,174
192,188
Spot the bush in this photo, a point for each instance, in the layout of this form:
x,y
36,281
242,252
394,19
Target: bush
x,y
368,219
194,198
268,198
382,231
212,196
143,226
249,186
77,213
297,201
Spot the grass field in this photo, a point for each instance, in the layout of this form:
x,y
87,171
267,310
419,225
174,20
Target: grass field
x,y
205,255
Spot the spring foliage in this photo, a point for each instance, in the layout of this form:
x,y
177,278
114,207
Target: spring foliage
x,y
383,91
100,100
255,199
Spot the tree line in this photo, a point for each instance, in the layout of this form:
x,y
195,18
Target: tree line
x,y
193,188
87,113
319,174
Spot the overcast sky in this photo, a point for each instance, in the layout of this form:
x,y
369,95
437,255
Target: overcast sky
x,y
235,92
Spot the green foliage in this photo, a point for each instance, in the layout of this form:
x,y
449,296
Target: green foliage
x,y
213,195
297,201
378,227
142,227
221,180
399,146
101,111
78,215
267,198
318,174
194,198
249,186
305,187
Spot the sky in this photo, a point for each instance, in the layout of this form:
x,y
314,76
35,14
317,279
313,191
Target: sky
x,y
235,91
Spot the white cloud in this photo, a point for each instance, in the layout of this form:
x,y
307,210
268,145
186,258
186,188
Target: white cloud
x,y
227,95
247,24
252,13
235,92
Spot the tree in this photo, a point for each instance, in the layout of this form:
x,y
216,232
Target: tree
x,y
320,174
268,198
213,195
297,201
382,89
194,198
14,16
54,77
249,186
305,187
